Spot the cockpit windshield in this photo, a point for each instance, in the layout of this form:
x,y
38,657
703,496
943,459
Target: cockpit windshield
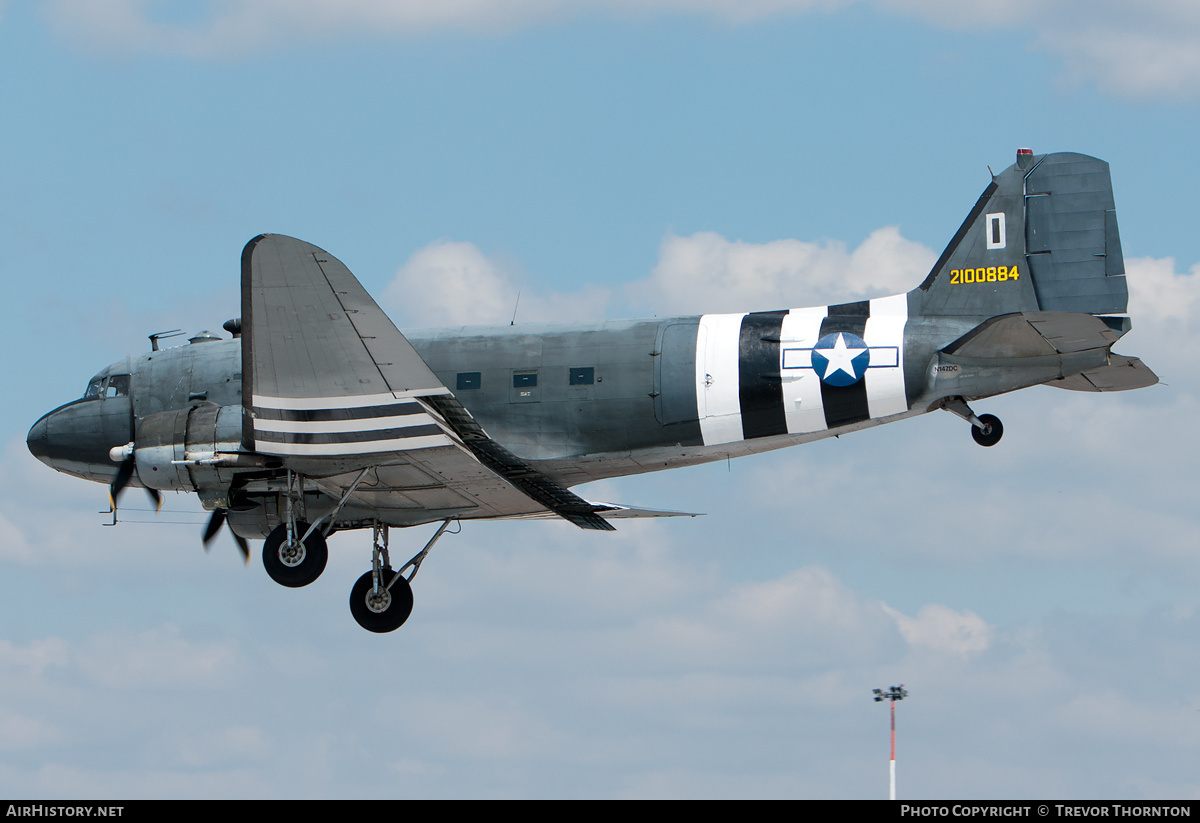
x,y
116,385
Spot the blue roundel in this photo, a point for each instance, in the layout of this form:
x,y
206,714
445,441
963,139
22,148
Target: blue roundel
x,y
841,358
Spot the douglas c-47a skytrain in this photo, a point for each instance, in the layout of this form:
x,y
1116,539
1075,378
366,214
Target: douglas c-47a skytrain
x,y
320,416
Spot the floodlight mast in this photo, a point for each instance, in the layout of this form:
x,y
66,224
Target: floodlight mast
x,y
892,695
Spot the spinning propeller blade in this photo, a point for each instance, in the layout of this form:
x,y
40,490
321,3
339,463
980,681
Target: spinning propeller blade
x,y
124,474
214,525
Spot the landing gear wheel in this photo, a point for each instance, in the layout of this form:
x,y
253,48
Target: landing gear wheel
x,y
386,610
296,564
991,432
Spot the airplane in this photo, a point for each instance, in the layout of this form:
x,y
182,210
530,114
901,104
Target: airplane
x,y
319,415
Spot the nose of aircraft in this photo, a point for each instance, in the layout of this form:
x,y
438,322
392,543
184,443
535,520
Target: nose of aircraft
x,y
76,438
39,439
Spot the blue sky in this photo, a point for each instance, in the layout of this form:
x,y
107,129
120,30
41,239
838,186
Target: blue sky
x,y
605,159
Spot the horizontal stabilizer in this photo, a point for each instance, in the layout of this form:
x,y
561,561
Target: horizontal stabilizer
x,y
1036,334
1121,374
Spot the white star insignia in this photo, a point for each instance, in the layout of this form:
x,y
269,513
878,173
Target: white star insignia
x,y
840,358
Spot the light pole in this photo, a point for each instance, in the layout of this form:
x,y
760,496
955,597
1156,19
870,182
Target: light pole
x,y
893,694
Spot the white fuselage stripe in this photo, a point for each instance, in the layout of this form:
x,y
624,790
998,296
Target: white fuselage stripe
x,y
717,378
885,335
802,406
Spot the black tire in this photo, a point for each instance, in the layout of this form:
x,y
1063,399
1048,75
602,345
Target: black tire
x,y
398,607
314,556
991,433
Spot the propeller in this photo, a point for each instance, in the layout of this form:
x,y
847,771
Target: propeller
x,y
214,525
125,474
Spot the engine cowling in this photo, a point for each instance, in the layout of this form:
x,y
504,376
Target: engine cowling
x,y
193,449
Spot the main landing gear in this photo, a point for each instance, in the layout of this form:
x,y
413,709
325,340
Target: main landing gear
x,y
382,599
295,553
986,429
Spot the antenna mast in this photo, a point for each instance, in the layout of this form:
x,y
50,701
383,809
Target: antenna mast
x,y
892,694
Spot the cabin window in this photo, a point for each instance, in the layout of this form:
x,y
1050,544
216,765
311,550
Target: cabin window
x,y
93,389
524,379
468,380
583,376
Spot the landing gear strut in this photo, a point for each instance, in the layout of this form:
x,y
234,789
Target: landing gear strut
x,y
295,554
986,429
382,598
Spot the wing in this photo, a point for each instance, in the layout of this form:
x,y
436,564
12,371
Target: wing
x,y
331,387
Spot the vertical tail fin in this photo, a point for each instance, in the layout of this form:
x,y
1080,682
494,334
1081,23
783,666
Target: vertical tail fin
x,y
1042,237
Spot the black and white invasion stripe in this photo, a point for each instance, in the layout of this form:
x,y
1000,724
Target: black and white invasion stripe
x,y
755,375
328,426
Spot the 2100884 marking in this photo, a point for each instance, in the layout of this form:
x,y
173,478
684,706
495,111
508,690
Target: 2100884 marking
x,y
990,274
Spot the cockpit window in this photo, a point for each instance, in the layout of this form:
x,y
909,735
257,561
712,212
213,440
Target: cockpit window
x,y
118,386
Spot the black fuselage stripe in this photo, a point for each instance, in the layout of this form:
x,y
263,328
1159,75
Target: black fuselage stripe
x,y
324,438
760,388
322,415
846,404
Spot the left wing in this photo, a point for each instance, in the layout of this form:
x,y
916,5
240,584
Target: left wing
x,y
331,386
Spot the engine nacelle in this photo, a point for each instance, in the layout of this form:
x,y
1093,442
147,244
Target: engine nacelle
x,y
192,449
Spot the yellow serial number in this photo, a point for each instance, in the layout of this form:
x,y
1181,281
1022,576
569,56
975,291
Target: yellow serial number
x,y
989,275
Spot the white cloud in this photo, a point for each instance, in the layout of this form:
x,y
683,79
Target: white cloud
x,y
20,732
944,629
219,746
156,658
706,272
1137,50
1150,48
13,545
450,283
33,657
1158,293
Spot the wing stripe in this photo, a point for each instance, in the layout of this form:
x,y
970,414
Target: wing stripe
x,y
314,427
360,413
382,435
340,401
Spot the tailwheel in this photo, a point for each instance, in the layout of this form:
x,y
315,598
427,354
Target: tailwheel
x,y
381,605
991,432
297,561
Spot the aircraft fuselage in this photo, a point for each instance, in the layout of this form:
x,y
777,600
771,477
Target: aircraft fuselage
x,y
583,402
